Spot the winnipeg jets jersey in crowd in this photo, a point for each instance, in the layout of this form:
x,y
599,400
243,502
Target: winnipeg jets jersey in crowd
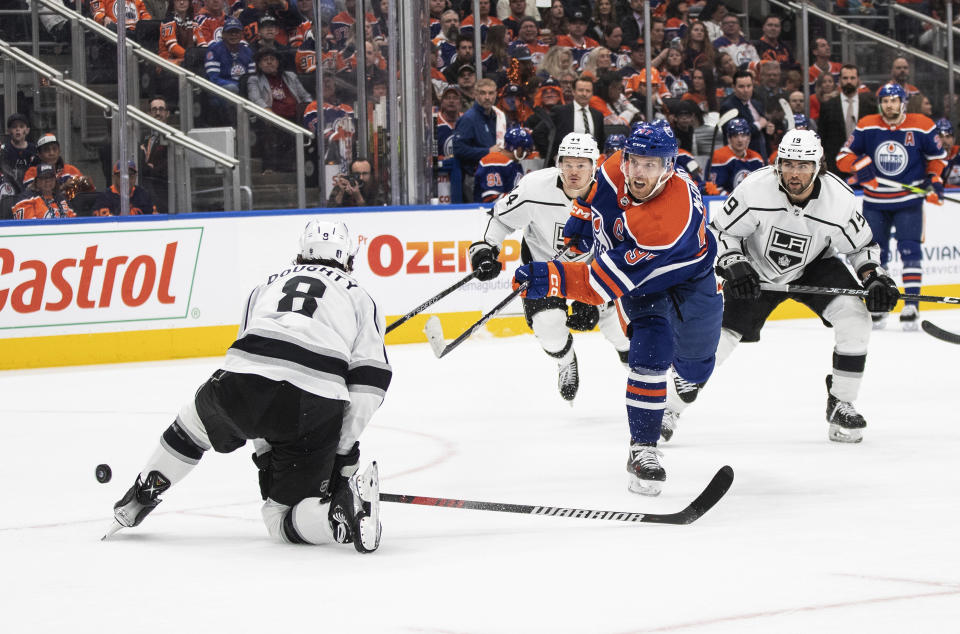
x,y
313,326
904,153
727,170
781,239
644,247
538,207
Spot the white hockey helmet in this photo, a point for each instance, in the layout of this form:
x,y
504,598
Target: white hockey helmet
x,y
579,145
327,240
800,145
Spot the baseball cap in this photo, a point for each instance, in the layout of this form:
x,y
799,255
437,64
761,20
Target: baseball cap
x,y
267,19
512,90
232,24
654,76
521,53
466,67
131,166
16,116
578,16
46,139
449,88
683,106
45,170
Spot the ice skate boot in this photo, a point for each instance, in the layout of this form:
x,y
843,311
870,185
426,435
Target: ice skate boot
x,y
879,320
138,502
568,378
910,318
687,393
846,424
643,465
670,421
355,511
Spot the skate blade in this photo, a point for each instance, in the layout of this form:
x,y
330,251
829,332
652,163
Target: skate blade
x,y
369,538
666,434
433,329
114,527
910,326
841,434
651,488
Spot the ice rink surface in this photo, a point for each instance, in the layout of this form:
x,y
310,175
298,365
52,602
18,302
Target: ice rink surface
x,y
813,536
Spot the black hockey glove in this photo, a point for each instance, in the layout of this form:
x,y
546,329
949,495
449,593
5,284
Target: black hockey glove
x,y
483,257
583,317
882,292
344,466
742,280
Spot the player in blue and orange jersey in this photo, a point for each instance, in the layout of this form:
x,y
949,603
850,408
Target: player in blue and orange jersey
x,y
951,173
499,172
905,149
731,163
645,225
613,143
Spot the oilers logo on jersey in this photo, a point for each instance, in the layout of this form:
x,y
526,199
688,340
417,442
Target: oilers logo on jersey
x,y
786,250
740,175
890,158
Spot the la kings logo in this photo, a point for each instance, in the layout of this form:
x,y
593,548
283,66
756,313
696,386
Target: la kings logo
x,y
785,250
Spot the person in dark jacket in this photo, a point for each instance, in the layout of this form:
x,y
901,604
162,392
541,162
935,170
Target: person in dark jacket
x,y
476,133
108,202
750,109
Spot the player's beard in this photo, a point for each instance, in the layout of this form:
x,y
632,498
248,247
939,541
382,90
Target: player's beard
x,y
796,186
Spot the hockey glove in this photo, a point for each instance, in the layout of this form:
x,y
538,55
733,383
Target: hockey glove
x,y
934,187
578,234
483,257
583,317
882,293
742,280
710,189
543,279
866,174
344,466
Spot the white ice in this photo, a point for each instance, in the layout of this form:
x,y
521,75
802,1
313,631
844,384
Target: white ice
x,y
813,535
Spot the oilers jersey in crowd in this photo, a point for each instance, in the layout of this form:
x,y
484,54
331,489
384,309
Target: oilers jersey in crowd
x,y
727,170
951,173
688,164
904,153
496,174
641,247
445,136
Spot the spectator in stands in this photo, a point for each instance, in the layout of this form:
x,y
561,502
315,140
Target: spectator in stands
x,y
604,18
635,62
446,121
464,56
338,123
769,46
301,31
712,15
476,132
632,23
515,104
268,29
287,19
211,22
108,202
549,96
702,91
494,57
518,11
556,62
950,173
900,73
103,12
356,188
725,71
48,153
16,154
555,19
684,118
613,40
792,81
768,90
750,110
446,40
177,31
678,19
44,198
466,84
577,117
658,50
697,48
825,88
152,156
230,58
437,7
485,20
821,62
528,36
675,77
797,102
596,62
839,115
733,42
636,91
611,102
284,95
920,104
576,38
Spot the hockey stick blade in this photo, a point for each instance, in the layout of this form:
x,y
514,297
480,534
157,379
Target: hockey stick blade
x,y
712,494
938,332
433,329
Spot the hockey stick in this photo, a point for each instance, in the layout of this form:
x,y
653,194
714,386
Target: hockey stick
x,y
828,290
940,333
715,490
911,188
430,302
724,119
434,330
787,114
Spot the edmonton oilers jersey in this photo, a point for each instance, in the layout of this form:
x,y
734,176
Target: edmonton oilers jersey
x,y
727,170
900,153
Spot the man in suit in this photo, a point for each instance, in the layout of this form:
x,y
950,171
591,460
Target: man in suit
x,y
839,115
750,109
576,117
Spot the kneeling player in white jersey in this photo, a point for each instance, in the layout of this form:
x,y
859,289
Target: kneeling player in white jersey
x,y
302,380
540,206
788,223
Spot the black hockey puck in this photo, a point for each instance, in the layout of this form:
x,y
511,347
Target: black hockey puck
x,y
104,473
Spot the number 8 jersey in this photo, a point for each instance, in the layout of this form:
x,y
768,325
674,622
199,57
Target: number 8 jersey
x,y
313,326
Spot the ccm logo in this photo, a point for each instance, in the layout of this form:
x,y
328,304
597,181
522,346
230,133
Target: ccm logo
x,y
136,278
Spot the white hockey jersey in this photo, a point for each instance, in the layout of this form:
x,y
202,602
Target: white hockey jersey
x,y
313,326
538,207
781,239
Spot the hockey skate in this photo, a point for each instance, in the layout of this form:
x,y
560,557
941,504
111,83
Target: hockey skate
x,y
879,320
643,465
568,378
355,511
846,424
910,318
686,392
138,502
670,421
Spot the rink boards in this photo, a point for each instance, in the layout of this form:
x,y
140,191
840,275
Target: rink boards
x,y
106,290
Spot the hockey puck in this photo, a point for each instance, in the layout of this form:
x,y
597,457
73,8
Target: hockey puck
x,y
104,473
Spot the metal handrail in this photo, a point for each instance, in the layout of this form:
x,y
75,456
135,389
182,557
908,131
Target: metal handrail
x,y
200,82
176,136
923,18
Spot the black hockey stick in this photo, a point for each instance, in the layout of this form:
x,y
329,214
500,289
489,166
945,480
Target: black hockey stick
x,y
826,290
715,490
940,333
430,302
434,330
723,120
